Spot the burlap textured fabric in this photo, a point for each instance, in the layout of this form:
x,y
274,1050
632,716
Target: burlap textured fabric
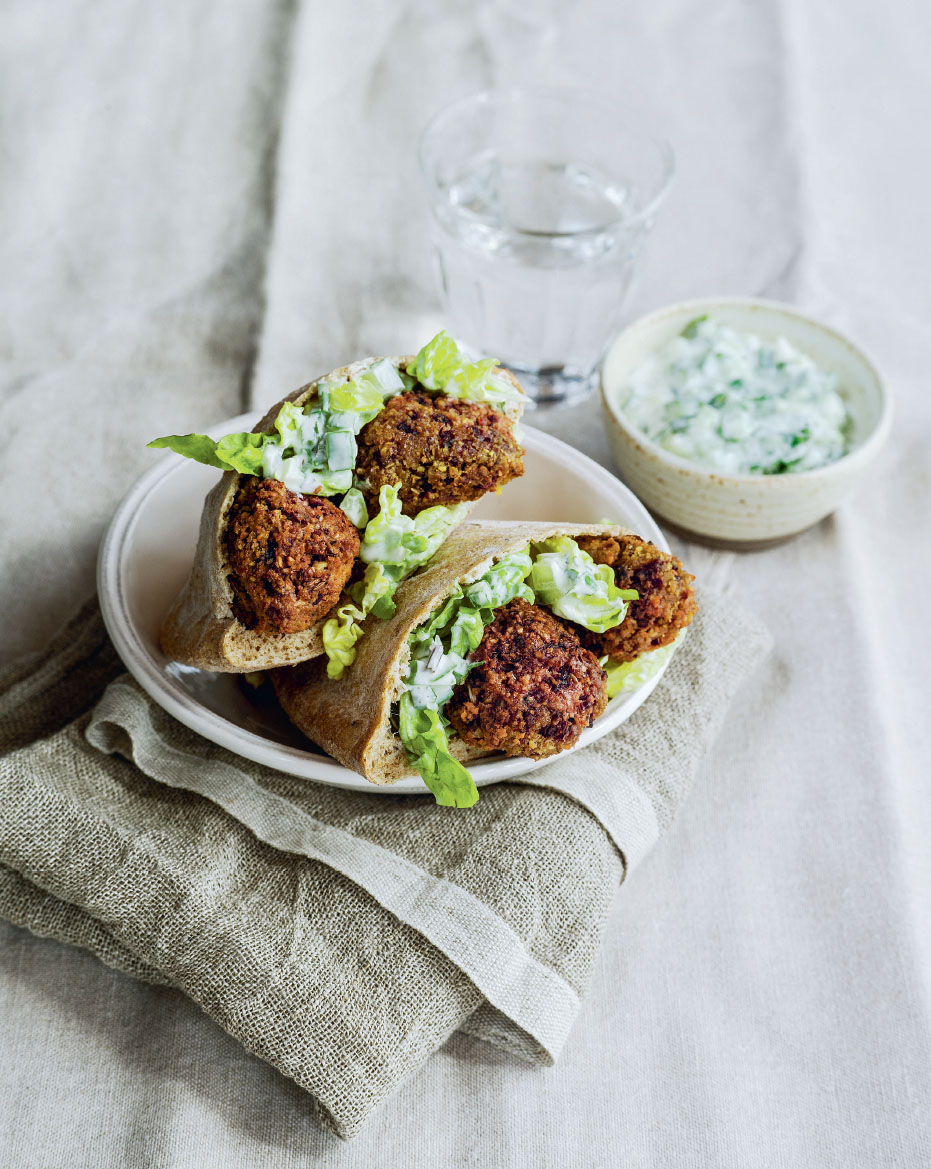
x,y
340,936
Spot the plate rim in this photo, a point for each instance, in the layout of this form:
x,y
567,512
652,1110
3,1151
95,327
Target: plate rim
x,y
151,676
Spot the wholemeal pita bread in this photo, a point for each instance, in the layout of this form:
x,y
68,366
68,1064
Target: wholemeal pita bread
x,y
200,629
350,718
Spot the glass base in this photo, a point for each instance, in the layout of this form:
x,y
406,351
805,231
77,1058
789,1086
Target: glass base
x,y
553,386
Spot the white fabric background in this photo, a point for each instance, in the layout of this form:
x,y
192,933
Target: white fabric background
x,y
206,204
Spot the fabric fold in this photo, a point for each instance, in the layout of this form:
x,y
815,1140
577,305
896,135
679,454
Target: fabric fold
x,y
341,936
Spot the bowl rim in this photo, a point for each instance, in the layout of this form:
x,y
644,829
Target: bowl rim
x,y
850,462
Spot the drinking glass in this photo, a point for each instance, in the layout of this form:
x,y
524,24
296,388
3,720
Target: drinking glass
x,y
541,201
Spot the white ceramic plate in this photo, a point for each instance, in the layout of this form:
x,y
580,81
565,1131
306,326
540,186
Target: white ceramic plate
x,y
146,555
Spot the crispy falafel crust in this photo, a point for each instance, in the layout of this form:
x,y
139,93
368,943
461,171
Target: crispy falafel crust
x,y
439,450
534,688
290,556
201,628
666,604
351,718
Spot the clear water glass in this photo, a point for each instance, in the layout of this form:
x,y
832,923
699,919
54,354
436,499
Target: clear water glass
x,y
542,201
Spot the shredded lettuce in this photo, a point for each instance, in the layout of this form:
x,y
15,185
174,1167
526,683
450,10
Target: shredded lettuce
x,y
502,583
624,677
315,452
353,504
436,362
424,736
441,366
298,428
431,678
439,651
572,585
363,397
293,471
460,622
406,542
340,633
393,546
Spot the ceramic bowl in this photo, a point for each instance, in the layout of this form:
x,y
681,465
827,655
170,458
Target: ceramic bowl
x,y
743,511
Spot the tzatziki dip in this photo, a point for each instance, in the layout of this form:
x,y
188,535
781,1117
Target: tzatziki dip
x,y
736,403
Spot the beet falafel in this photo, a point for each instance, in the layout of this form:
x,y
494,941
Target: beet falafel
x,y
665,606
437,450
534,687
290,556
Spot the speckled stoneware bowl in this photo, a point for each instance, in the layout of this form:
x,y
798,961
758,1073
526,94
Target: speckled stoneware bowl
x,y
743,511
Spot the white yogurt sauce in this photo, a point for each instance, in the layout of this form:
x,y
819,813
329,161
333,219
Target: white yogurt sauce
x,y
734,402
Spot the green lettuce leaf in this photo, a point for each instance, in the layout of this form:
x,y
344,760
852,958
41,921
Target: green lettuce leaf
x,y
364,396
389,535
376,586
502,582
572,585
297,428
439,651
393,546
466,631
353,504
242,452
441,366
231,453
340,633
423,734
433,674
480,383
436,362
460,622
406,542
439,621
625,677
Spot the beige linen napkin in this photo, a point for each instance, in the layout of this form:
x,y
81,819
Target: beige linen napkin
x,y
340,936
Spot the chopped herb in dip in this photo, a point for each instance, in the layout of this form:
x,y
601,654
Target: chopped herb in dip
x,y
734,402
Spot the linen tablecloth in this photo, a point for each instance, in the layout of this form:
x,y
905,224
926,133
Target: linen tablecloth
x,y
203,203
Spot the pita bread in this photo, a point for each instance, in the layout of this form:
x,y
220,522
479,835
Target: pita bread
x,y
350,718
200,629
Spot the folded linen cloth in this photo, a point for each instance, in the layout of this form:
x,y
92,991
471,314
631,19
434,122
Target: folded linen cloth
x,y
339,935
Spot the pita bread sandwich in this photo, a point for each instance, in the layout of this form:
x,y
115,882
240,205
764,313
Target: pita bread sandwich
x,y
342,490
512,640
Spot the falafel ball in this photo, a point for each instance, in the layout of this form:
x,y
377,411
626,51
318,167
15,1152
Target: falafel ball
x,y
290,556
535,688
667,600
439,450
